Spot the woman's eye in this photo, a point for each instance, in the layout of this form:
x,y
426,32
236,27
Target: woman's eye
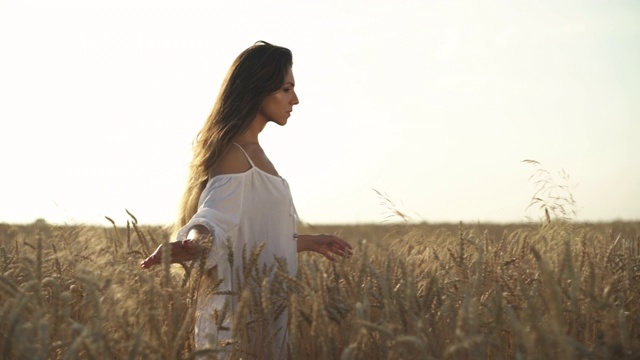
x,y
287,90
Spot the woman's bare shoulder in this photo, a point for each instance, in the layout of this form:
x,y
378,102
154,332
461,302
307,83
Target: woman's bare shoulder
x,y
259,158
233,161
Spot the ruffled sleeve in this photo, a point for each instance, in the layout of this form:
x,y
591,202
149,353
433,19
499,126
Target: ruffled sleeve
x,y
219,211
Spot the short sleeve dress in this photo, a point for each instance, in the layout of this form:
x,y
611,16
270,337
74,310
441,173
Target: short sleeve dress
x,y
248,209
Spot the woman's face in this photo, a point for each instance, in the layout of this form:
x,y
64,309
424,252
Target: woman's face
x,y
277,107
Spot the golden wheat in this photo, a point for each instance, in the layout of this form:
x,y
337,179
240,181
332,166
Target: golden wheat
x,y
412,291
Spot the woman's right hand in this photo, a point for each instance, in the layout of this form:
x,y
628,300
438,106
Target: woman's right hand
x,y
181,251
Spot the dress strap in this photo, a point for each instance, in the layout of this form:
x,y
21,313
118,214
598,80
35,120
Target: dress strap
x,y
245,154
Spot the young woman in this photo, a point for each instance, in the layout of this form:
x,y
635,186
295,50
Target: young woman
x,y
235,194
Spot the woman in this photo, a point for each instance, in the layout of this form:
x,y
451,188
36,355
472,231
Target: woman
x,y
235,194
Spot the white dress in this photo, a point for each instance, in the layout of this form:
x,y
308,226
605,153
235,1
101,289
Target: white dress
x,y
248,209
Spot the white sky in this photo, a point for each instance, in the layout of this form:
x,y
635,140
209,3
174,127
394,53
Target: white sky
x,y
434,103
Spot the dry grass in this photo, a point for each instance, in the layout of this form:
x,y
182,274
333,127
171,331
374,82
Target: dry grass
x,y
541,291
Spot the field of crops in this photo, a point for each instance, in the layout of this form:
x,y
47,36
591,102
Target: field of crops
x,y
549,290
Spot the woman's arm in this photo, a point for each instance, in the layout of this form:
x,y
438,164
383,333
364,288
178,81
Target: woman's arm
x,y
326,245
181,251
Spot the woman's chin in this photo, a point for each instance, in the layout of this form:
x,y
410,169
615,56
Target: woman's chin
x,y
281,122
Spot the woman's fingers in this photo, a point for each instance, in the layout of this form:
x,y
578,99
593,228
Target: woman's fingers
x,y
341,247
327,254
338,250
331,258
153,259
150,261
179,251
330,245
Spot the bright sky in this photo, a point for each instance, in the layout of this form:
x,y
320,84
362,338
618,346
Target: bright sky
x,y
435,103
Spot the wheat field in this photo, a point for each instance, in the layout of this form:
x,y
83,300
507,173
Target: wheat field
x,y
548,290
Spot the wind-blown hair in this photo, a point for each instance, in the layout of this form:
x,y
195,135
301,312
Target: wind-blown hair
x,y
256,73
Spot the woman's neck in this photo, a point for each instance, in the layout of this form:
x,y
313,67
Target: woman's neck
x,y
251,135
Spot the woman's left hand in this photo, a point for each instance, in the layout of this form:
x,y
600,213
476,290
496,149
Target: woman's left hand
x,y
329,246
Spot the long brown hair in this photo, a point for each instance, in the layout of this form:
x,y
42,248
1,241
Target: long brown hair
x,y
257,72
